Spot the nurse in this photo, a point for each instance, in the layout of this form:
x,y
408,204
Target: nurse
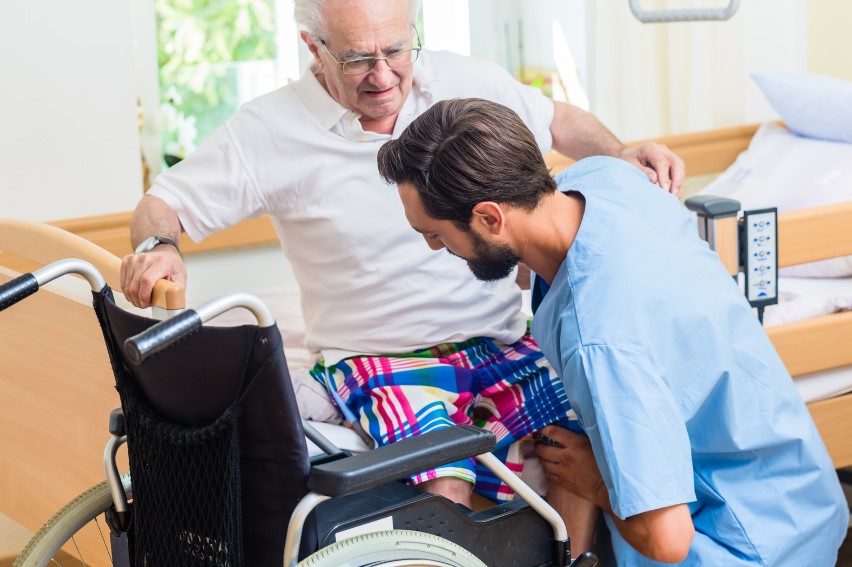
x,y
697,446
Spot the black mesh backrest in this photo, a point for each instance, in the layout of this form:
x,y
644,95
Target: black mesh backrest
x,y
222,386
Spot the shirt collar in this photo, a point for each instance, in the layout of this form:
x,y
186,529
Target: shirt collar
x,y
329,112
424,80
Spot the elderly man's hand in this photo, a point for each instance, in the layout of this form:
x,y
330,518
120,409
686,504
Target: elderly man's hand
x,y
139,273
573,465
659,163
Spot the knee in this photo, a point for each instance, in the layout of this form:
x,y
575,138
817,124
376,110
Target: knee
x,y
456,489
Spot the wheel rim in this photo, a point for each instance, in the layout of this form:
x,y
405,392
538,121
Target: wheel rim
x,y
76,535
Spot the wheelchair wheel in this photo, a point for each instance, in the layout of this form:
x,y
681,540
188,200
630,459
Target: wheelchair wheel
x,y
394,548
78,525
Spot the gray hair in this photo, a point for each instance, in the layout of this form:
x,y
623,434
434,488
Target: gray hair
x,y
308,15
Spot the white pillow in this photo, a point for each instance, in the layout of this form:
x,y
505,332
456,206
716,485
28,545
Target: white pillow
x,y
815,106
781,169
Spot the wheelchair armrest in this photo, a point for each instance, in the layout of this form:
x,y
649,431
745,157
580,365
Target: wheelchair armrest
x,y
400,459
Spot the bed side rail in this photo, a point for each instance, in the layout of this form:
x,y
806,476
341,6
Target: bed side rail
x,y
42,244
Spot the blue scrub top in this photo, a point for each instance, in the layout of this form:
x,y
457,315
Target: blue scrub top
x,y
681,393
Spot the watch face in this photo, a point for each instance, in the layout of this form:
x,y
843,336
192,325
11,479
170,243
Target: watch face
x,y
152,242
146,245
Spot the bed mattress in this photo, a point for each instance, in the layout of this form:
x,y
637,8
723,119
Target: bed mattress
x,y
804,298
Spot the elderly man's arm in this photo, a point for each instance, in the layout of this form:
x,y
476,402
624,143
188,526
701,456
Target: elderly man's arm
x,y
578,134
139,272
663,535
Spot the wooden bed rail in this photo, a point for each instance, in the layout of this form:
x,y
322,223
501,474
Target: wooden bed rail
x,y
831,417
57,385
702,152
814,234
812,345
34,244
821,343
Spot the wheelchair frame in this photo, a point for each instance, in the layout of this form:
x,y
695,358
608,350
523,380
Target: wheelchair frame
x,y
339,478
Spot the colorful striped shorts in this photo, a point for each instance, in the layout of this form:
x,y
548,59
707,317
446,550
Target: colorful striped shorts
x,y
510,390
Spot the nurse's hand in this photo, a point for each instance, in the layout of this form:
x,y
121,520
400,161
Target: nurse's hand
x,y
664,535
573,465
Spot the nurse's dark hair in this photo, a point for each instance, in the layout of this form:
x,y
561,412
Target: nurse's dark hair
x,y
462,152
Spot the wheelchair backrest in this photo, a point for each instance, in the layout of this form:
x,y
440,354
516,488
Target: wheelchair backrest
x,y
217,451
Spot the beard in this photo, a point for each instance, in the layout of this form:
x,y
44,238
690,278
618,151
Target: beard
x,y
491,262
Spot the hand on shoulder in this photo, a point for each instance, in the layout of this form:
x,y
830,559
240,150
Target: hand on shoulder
x,y
662,166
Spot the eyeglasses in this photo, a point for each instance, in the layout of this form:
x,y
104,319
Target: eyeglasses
x,y
395,59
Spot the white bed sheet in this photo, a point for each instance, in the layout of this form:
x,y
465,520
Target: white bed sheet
x,y
804,298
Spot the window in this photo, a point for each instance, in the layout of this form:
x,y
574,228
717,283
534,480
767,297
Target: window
x,y
213,56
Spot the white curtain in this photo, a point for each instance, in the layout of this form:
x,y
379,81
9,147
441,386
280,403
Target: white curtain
x,y
649,80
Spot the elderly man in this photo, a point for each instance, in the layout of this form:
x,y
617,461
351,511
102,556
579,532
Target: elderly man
x,y
407,339
699,448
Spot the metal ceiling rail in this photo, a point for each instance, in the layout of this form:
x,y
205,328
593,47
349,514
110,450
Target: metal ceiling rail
x,y
684,14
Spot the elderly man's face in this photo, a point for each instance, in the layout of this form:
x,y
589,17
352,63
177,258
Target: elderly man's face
x,y
364,28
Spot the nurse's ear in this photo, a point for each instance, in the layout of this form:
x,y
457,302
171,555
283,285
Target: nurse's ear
x,y
488,218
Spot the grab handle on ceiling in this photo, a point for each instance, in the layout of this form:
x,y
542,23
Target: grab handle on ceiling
x,y
684,14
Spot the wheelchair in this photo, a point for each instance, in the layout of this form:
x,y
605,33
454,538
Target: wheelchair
x,y
220,473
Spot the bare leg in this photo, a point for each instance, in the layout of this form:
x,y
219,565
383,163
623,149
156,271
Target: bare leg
x,y
580,517
456,489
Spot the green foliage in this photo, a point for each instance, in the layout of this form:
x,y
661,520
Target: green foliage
x,y
199,43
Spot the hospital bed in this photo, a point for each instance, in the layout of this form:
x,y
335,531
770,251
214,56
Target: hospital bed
x,y
816,350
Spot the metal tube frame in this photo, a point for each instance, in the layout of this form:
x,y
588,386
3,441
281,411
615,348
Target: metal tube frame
x,y
119,496
218,306
70,266
684,14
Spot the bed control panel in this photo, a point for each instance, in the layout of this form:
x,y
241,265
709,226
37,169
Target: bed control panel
x,y
759,255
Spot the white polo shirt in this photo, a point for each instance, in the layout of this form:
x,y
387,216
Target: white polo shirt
x,y
370,284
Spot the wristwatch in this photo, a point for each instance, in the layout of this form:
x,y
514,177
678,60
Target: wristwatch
x,y
153,241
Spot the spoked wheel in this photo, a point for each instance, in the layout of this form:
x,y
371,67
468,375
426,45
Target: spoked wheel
x,y
394,548
77,535
81,526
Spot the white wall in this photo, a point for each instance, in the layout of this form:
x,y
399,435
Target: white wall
x,y
830,43
69,142
661,79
